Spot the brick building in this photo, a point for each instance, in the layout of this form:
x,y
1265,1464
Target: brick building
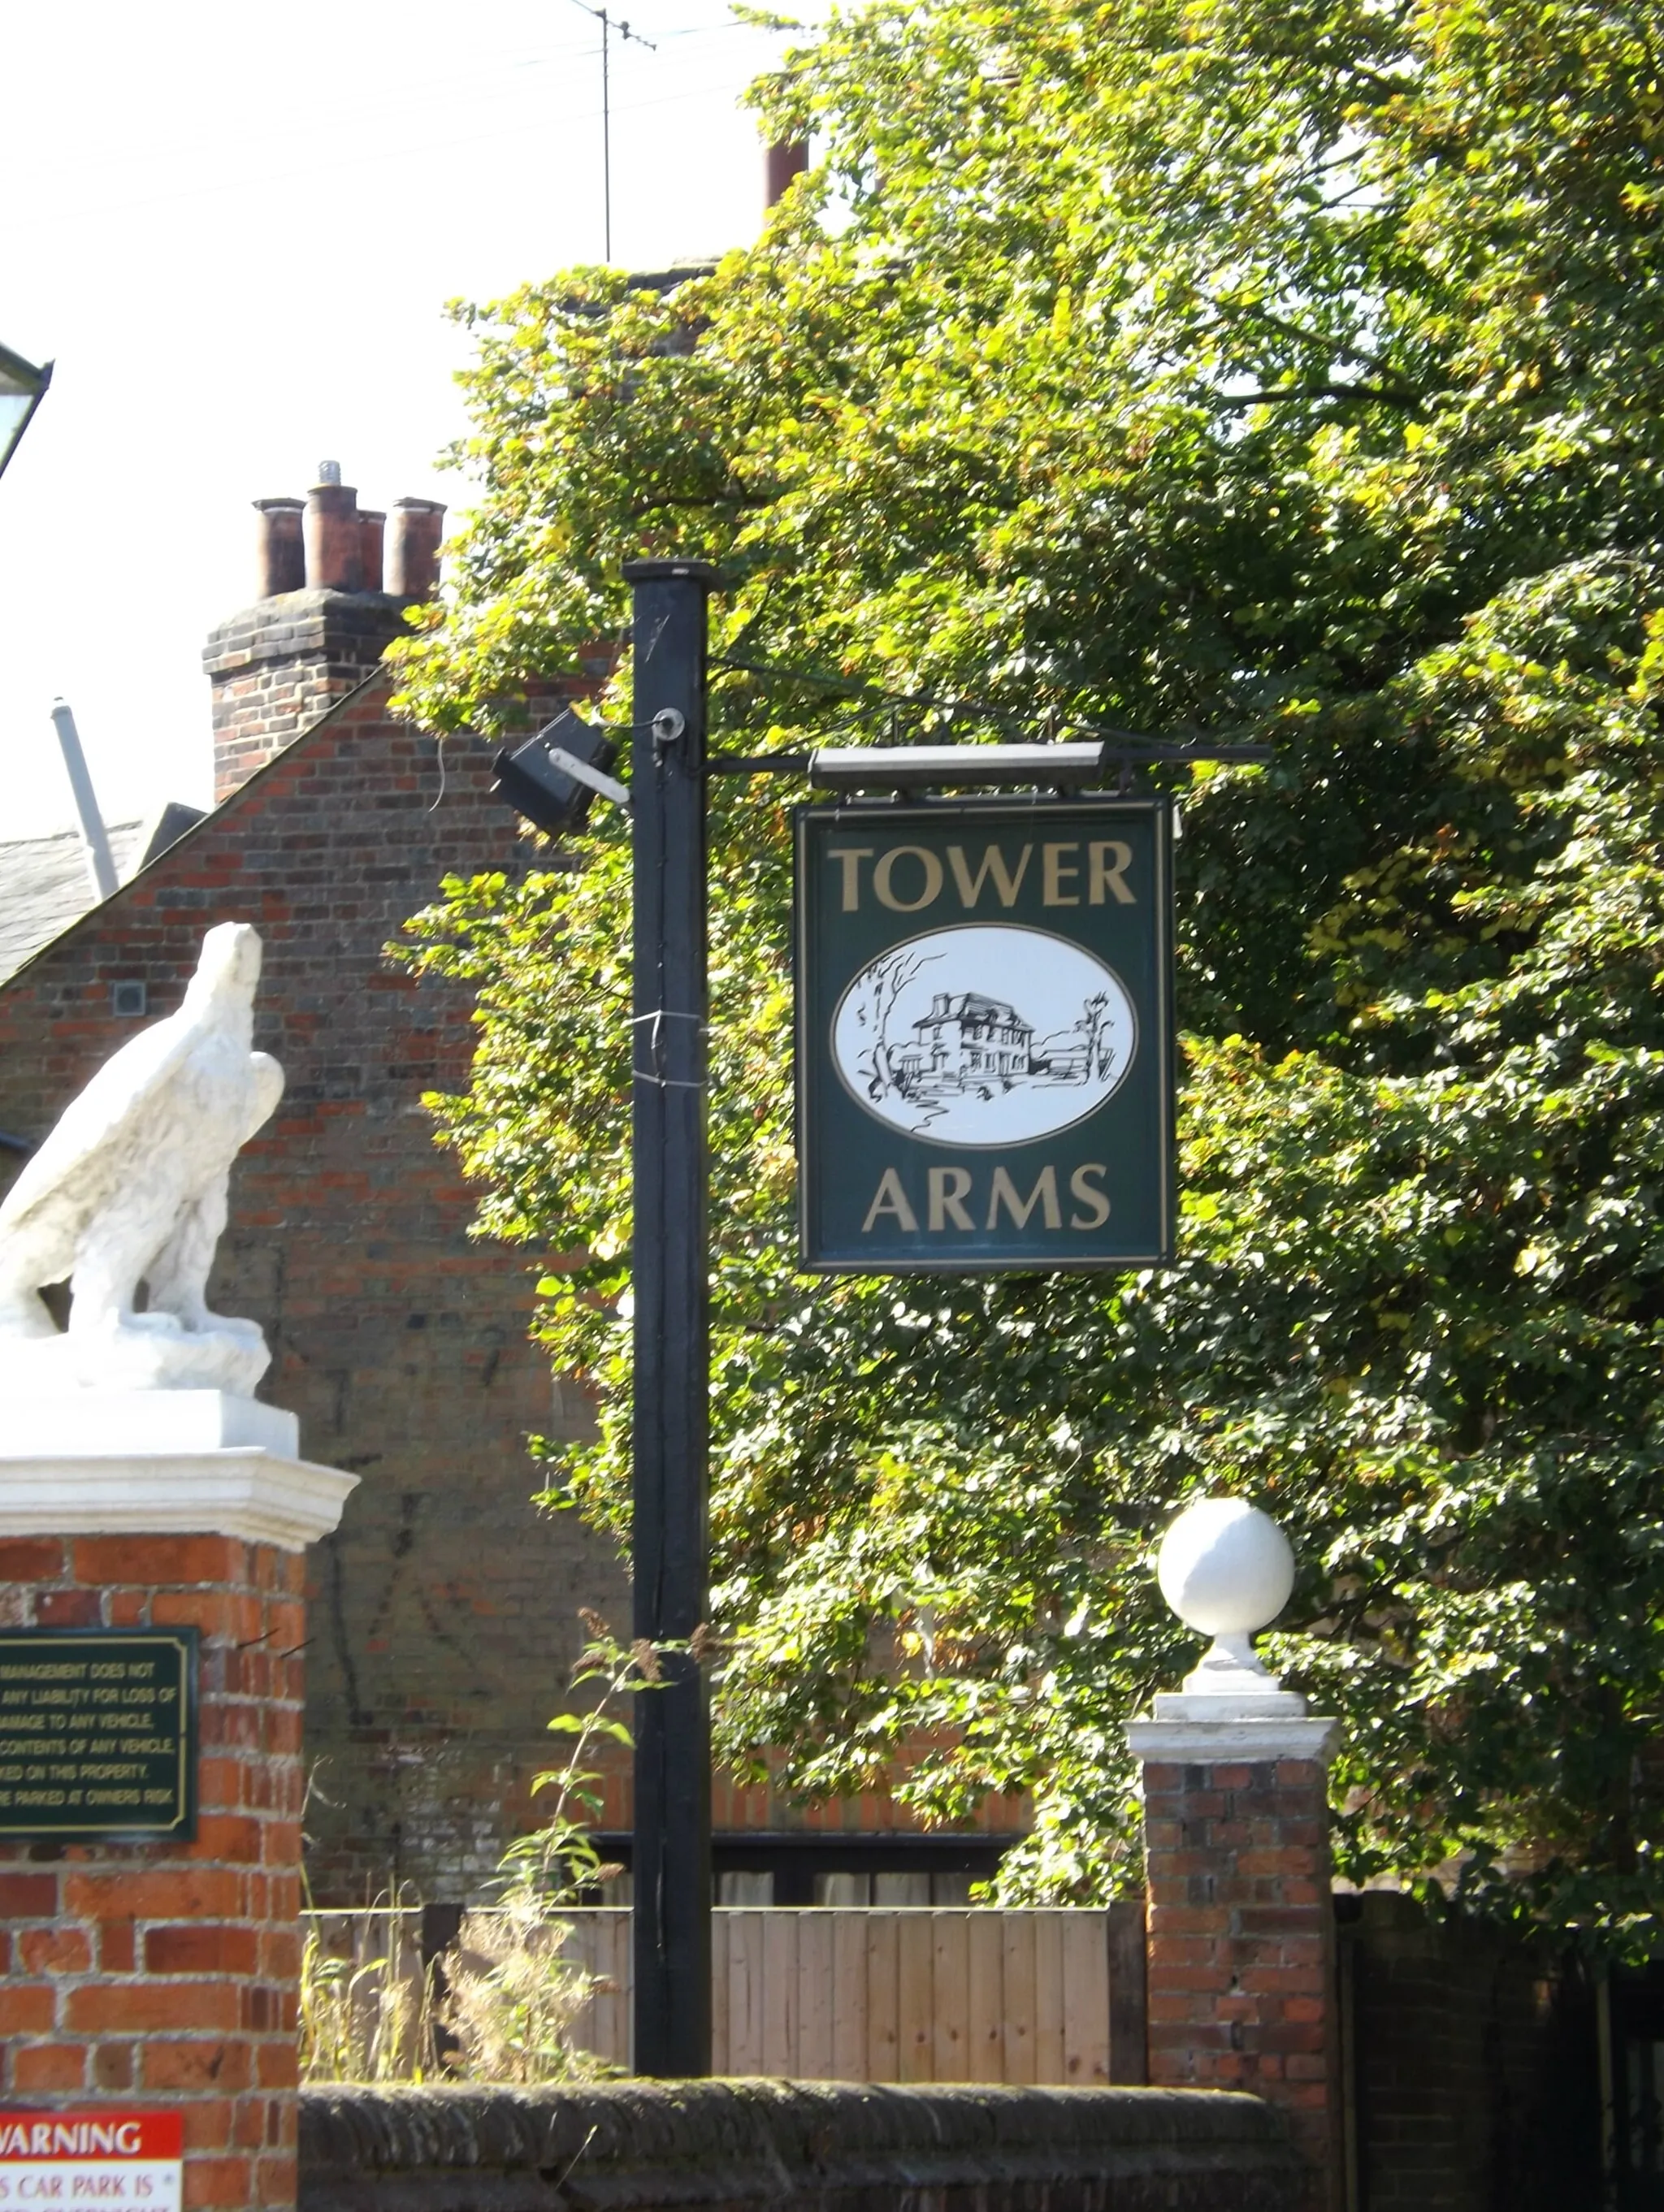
x,y
443,1622
444,1611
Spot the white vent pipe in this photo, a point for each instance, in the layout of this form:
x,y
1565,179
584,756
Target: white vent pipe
x,y
99,865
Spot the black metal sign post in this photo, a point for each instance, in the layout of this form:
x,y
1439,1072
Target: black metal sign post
x,y
963,1044
671,1851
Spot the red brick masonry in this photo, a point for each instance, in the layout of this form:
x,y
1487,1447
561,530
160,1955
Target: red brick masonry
x,y
167,1973
1242,1942
445,1611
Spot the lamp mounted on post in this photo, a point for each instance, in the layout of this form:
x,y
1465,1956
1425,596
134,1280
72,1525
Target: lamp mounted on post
x,y
552,779
21,388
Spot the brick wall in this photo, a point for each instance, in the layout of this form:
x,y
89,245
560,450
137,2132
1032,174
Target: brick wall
x,y
167,1972
444,1609
1474,2062
765,2145
1240,1943
277,665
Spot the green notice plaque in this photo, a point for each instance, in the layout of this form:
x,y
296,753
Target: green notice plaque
x,y
98,1732
984,1046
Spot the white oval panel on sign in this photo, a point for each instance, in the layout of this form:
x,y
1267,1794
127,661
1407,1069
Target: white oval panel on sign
x,y
984,1035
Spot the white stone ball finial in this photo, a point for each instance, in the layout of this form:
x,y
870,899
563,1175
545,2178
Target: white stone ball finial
x,y
1226,1570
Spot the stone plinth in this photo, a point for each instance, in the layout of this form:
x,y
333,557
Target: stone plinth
x,y
166,1973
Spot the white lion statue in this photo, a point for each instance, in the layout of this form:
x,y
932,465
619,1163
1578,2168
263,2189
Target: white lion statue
x,y
131,1188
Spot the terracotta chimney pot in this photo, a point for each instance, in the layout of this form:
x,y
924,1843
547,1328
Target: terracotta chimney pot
x,y
413,571
334,546
781,163
280,559
371,525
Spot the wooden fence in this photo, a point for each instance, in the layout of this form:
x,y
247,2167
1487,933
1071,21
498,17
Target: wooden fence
x,y
903,1994
907,1993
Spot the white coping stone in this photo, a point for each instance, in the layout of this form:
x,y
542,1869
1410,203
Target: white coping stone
x,y
1246,1739
76,1422
1263,1702
162,1463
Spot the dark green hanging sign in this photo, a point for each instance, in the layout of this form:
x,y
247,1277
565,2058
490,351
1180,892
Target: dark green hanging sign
x,y
984,1049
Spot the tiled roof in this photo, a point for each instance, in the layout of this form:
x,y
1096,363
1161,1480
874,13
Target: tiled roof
x,y
45,885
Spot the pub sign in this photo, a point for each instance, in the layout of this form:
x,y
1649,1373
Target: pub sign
x,y
984,1051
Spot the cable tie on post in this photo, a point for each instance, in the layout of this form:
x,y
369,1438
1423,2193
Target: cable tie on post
x,y
666,1014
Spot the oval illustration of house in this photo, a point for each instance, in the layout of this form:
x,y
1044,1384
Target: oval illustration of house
x,y
984,1035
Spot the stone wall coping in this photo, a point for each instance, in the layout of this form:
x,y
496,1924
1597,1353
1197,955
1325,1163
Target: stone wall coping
x,y
245,1490
607,2146
1242,1740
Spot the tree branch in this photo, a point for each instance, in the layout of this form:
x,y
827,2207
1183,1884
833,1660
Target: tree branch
x,y
1286,394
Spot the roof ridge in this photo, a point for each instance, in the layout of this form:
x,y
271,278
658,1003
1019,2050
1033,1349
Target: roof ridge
x,y
51,837
380,674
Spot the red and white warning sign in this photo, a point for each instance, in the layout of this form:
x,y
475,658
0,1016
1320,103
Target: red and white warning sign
x,y
51,2162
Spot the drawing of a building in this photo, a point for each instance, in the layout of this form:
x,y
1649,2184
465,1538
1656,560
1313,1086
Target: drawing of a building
x,y
966,1035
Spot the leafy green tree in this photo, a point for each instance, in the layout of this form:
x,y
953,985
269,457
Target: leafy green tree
x,y
1204,369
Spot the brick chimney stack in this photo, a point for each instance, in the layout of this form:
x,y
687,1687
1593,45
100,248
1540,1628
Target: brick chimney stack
x,y
320,620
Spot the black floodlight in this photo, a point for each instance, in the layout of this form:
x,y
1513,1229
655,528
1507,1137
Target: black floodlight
x,y
20,388
939,767
552,779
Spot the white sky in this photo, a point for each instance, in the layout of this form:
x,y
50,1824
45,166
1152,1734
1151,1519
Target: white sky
x,y
234,228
